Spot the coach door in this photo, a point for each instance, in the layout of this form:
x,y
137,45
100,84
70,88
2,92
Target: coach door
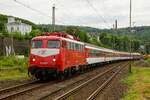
x,y
63,52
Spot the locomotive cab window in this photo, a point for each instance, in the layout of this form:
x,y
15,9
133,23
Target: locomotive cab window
x,y
53,44
37,44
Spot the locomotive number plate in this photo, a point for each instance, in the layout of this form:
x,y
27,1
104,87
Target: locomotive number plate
x,y
44,63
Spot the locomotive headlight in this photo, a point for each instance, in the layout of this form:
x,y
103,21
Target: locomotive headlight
x,y
54,60
33,59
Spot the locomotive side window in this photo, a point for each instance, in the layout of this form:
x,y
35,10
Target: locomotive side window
x,y
64,44
72,46
80,48
53,44
77,47
69,45
37,44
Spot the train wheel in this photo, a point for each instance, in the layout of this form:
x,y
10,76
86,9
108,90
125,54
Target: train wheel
x,y
69,72
61,76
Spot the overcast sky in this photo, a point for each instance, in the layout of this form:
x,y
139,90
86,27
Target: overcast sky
x,y
80,12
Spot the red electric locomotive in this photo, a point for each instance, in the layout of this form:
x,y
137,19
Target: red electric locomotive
x,y
55,54
59,54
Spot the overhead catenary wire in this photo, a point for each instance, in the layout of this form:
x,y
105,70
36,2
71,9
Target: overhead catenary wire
x,y
68,13
27,6
48,16
44,14
99,15
35,10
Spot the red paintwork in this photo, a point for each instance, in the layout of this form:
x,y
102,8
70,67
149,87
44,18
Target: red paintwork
x,y
61,34
65,59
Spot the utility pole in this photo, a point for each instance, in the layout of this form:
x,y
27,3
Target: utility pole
x,y
113,26
130,14
116,24
53,18
130,20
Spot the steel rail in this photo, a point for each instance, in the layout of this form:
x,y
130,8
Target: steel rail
x,y
51,93
62,97
24,91
97,91
16,86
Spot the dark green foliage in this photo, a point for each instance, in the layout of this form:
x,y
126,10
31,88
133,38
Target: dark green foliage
x,y
75,31
147,48
95,41
119,43
2,28
35,33
83,37
17,36
62,28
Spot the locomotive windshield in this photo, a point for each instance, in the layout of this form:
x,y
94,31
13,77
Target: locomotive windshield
x,y
37,44
53,44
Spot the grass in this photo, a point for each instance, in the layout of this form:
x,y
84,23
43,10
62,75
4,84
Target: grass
x,y
12,68
138,84
13,75
12,62
148,60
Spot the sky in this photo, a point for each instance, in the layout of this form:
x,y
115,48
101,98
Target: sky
x,y
93,13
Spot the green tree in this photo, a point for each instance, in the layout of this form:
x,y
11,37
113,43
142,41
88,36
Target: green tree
x,y
72,30
35,33
95,41
102,37
2,28
75,31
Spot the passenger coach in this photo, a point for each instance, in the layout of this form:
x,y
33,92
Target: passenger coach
x,y
60,54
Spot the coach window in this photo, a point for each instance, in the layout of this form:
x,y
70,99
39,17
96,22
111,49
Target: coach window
x,y
37,44
76,46
64,44
72,46
80,48
53,44
67,45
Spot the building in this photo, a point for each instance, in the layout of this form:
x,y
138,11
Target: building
x,y
17,26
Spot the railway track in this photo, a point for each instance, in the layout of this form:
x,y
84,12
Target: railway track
x,y
11,92
71,82
105,84
22,91
74,90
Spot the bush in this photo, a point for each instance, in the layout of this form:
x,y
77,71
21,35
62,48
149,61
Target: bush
x,y
13,62
148,60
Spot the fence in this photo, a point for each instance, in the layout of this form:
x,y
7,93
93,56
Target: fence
x,y
11,46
